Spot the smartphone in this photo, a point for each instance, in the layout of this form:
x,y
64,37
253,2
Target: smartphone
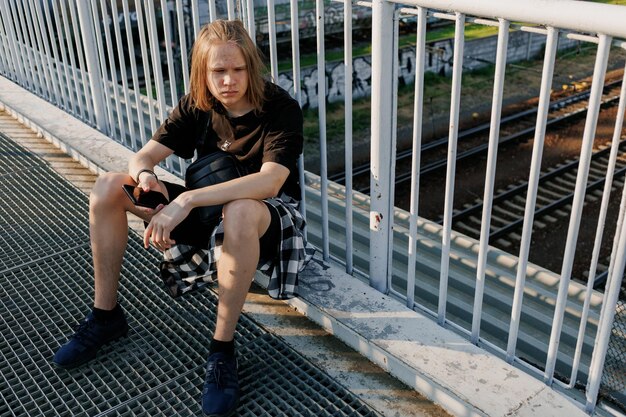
x,y
139,197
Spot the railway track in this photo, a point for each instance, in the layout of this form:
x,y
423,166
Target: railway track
x,y
556,185
554,196
555,193
473,142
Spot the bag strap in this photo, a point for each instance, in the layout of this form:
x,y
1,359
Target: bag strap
x,y
206,131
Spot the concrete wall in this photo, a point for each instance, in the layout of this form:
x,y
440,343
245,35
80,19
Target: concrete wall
x,y
478,53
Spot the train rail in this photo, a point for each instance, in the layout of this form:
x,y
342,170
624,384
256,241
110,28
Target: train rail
x,y
556,190
555,193
474,141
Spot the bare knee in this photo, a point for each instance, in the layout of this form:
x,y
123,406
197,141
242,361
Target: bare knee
x,y
245,219
107,191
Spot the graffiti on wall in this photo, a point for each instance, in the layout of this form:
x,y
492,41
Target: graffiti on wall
x,y
438,59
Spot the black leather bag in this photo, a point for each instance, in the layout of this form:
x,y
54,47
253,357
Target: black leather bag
x,y
211,169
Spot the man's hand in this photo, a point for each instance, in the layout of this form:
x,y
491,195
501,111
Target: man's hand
x,y
148,182
162,224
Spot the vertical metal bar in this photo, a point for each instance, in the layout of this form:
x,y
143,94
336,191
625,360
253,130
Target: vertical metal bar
x,y
455,104
130,140
608,312
490,175
380,178
212,11
394,140
103,70
12,43
5,53
82,68
533,184
156,61
297,90
347,60
195,18
133,70
77,105
45,47
321,88
171,70
231,9
21,42
145,59
295,51
38,51
250,16
37,84
55,54
579,198
69,97
418,113
608,185
243,13
182,44
113,73
156,65
271,29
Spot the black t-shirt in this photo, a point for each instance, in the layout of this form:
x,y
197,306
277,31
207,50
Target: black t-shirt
x,y
272,135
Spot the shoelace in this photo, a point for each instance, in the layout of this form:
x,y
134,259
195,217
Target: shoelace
x,y
219,373
83,331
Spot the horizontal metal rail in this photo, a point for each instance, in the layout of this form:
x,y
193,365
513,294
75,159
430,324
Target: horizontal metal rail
x,y
581,16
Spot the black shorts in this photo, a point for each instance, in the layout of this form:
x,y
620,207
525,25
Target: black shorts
x,y
191,231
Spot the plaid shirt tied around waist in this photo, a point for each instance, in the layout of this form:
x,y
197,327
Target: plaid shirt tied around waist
x,y
187,268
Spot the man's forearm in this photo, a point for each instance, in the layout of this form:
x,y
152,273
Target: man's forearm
x,y
138,165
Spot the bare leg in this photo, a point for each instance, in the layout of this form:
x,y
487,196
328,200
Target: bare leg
x,y
108,230
245,221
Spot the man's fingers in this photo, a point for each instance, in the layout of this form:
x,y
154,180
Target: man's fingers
x,y
146,236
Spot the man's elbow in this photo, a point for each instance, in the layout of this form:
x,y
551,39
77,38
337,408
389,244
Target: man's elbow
x,y
274,177
275,188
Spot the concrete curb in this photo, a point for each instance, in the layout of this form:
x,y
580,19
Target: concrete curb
x,y
443,366
90,148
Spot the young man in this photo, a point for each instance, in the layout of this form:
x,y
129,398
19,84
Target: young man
x,y
232,108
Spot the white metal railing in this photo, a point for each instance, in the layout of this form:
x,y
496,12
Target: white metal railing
x,y
121,65
584,21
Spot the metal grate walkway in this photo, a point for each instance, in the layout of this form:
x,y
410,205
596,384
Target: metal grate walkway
x,y
46,287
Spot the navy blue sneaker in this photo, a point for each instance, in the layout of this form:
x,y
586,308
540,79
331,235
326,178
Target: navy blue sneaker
x,y
89,337
220,395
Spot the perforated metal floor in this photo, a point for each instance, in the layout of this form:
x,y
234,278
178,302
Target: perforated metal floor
x,y
158,370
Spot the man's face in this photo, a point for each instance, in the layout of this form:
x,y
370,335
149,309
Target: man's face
x,y
227,77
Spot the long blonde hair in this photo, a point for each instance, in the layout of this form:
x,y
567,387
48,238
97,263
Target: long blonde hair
x,y
225,31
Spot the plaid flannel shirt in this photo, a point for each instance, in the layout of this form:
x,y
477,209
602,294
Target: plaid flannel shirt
x,y
186,268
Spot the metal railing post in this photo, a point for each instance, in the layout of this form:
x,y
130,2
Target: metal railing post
x,y
418,112
577,205
380,177
12,44
271,30
531,195
321,111
250,19
93,69
492,156
453,135
347,66
606,195
616,268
